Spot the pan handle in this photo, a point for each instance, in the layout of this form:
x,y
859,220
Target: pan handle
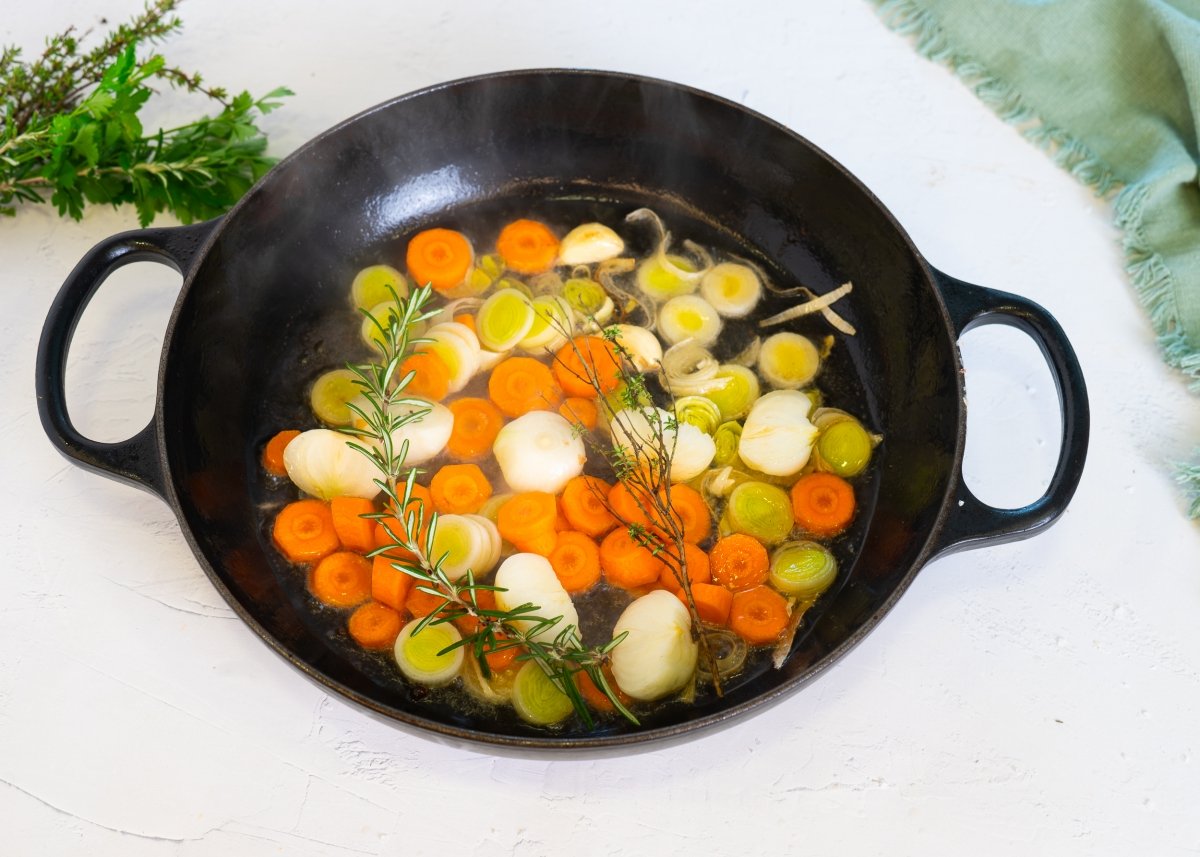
x,y
970,522
137,460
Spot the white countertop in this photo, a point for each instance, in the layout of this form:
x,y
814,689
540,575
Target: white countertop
x,y
1035,698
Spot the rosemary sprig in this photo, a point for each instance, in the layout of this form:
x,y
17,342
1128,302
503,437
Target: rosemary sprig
x,y
386,409
71,129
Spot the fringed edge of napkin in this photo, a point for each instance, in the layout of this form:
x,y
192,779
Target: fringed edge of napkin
x,y
1152,279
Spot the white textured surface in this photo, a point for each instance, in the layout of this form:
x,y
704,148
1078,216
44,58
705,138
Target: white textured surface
x,y
1035,698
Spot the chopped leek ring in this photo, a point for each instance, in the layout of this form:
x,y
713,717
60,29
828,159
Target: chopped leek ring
x,y
464,543
761,510
689,317
803,569
738,394
504,320
553,322
374,285
421,658
700,411
537,699
664,276
589,243
383,313
732,289
726,439
458,348
844,448
588,299
331,394
788,361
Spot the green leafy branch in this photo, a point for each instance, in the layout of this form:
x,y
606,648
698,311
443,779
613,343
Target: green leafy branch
x,y
71,130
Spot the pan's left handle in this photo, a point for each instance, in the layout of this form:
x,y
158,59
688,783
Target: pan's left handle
x,y
139,459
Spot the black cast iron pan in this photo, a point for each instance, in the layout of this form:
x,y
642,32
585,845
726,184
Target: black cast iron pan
x,y
263,309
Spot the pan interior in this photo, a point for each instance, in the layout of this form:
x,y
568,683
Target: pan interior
x,y
268,311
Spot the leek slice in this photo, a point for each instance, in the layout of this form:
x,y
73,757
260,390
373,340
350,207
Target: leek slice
x,y
803,569
700,411
761,510
739,392
458,348
726,438
553,322
504,320
331,394
383,313
665,275
421,658
844,448
375,285
537,699
588,299
732,289
461,544
689,317
788,361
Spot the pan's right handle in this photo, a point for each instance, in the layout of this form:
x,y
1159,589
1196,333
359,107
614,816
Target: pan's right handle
x,y
137,460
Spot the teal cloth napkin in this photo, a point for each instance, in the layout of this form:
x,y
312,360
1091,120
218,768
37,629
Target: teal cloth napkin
x,y
1111,89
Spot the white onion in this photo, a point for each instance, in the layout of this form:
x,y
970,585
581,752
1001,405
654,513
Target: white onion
x,y
321,463
658,655
588,243
694,451
426,436
645,351
777,437
526,578
539,451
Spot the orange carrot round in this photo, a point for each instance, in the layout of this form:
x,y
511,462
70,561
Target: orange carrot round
x,y
758,615
342,579
626,563
476,424
431,375
594,696
421,604
580,411
466,320
519,385
421,497
561,523
626,503
697,568
439,257
375,625
583,502
739,561
459,489
713,602
272,457
576,561
390,585
527,247
823,504
583,363
355,532
690,510
527,520
304,531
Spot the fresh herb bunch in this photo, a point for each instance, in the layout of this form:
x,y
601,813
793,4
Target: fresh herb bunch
x,y
71,129
386,409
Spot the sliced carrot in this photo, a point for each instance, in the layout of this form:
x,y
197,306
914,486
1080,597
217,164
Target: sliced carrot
x,y
758,615
584,504
421,604
739,561
561,523
627,502
420,495
304,531
476,424
272,457
375,625
697,569
431,377
585,363
466,320
459,489
527,247
579,411
689,509
485,599
713,602
342,579
823,504
519,385
527,516
389,585
355,532
626,563
576,561
439,257
594,696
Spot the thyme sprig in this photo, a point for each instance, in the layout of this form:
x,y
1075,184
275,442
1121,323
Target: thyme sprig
x,y
71,128
385,409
